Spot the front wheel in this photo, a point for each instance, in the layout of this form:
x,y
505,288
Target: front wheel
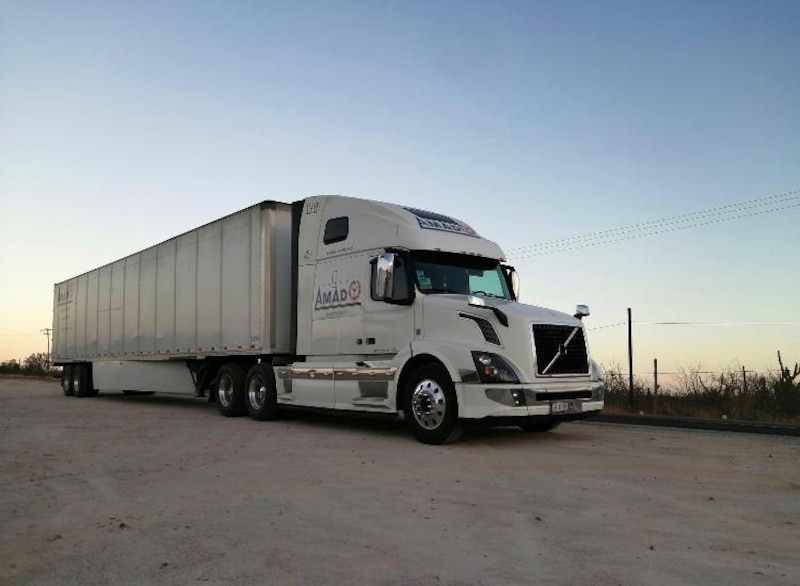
x,y
431,406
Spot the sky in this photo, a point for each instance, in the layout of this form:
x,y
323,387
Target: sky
x,y
123,124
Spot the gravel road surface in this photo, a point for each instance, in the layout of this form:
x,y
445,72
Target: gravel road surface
x,y
143,490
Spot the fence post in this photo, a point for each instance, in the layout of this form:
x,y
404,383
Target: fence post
x,y
655,385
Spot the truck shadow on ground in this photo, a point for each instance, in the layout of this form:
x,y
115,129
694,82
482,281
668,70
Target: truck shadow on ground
x,y
340,422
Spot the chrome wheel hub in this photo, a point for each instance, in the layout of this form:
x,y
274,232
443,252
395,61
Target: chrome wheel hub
x,y
428,404
257,393
225,390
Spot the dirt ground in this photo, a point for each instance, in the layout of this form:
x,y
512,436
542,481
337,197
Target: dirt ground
x,y
139,490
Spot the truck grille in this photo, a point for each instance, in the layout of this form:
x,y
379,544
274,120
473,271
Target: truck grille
x,y
550,342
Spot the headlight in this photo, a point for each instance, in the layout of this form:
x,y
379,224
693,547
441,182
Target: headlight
x,y
493,369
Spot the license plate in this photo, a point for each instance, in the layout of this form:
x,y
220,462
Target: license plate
x,y
557,407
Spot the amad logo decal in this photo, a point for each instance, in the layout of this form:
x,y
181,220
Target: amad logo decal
x,y
338,293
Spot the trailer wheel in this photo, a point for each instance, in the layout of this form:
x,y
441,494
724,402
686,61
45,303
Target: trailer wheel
x,y
539,426
431,405
66,381
261,397
230,390
82,381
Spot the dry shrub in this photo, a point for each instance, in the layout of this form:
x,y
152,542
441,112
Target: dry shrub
x,y
770,396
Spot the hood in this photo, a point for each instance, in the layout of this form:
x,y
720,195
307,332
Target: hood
x,y
515,311
450,319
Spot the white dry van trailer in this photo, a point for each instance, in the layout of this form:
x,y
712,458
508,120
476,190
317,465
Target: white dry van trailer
x,y
333,303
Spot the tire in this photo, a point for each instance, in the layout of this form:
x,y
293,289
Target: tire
x,y
82,381
66,381
431,406
229,390
261,396
539,426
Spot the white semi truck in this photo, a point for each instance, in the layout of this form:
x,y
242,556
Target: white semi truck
x,y
334,303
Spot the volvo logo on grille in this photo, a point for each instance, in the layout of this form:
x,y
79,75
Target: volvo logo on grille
x,y
562,350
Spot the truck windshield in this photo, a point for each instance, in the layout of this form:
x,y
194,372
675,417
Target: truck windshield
x,y
441,272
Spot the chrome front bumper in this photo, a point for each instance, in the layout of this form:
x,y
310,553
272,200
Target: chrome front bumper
x,y
478,401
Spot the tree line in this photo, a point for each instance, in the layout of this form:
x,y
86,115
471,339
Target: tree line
x,y
37,364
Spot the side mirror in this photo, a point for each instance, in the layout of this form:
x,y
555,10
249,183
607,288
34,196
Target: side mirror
x,y
383,283
581,311
512,280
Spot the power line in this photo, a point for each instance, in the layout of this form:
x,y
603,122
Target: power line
x,y
727,210
729,323
771,201
622,323
546,249
700,323
710,216
690,372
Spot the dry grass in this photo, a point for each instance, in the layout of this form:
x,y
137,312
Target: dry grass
x,y
770,397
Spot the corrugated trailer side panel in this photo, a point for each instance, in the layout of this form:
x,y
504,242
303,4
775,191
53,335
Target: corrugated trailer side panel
x,y
91,310
148,260
276,275
164,342
186,292
209,286
239,317
117,317
79,316
223,288
64,327
130,309
103,311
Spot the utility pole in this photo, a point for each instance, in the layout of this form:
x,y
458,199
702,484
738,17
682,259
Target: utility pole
x,y
47,332
630,360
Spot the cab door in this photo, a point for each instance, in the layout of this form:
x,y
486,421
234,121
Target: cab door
x,y
389,320
388,331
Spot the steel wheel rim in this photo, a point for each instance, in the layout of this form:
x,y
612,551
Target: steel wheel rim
x,y
257,393
225,390
428,404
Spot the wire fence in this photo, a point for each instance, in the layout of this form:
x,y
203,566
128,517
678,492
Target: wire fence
x,y
771,395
